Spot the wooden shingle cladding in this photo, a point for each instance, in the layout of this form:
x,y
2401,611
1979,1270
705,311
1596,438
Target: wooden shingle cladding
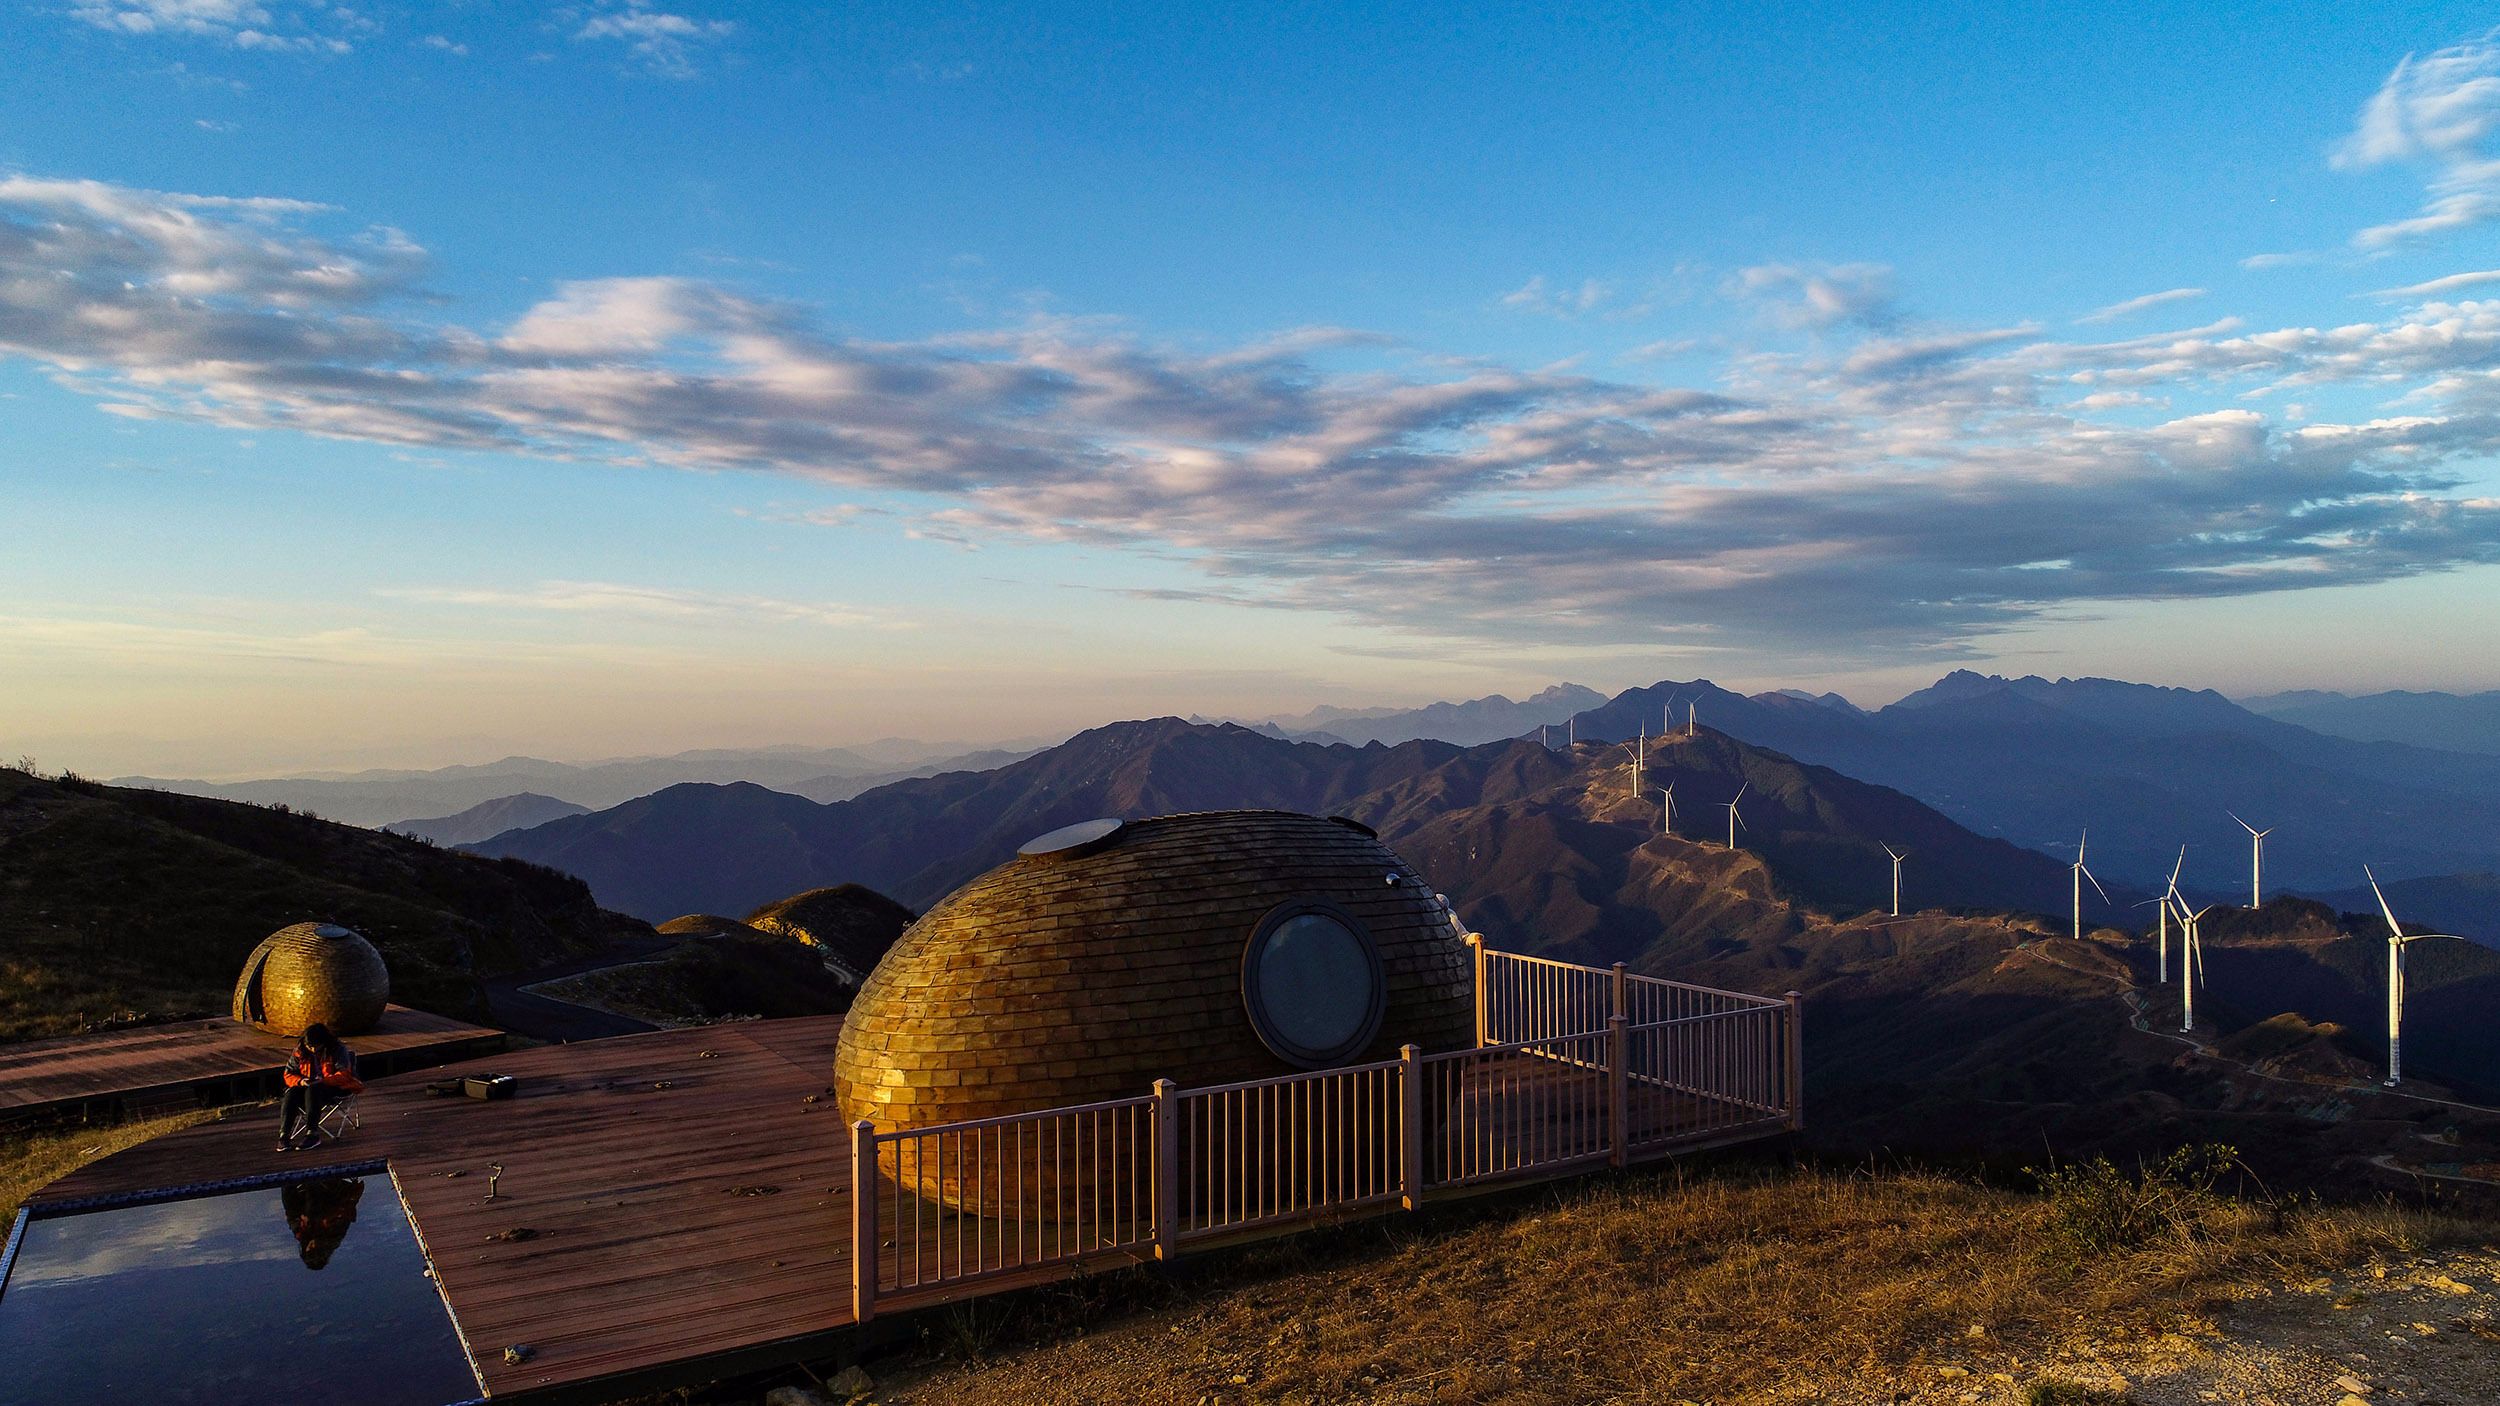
x,y
312,974
1054,981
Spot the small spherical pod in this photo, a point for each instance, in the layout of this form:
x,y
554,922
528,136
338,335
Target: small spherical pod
x,y
1206,949
313,974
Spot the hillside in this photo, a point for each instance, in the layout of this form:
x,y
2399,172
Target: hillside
x,y
117,901
2145,769
849,926
1764,1286
2465,904
723,849
803,955
488,818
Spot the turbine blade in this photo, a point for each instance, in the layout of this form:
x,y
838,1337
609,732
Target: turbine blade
x,y
2175,868
2394,928
1740,792
2096,884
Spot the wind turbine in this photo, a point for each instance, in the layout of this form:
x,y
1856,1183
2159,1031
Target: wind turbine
x,y
2397,937
2164,902
2256,860
1666,825
1732,820
1897,857
1666,717
1637,749
1692,716
2191,960
2082,874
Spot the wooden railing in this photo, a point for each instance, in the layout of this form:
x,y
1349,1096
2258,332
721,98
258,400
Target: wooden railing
x,y
1574,1067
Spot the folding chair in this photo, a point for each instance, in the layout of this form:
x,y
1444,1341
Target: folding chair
x,y
339,1118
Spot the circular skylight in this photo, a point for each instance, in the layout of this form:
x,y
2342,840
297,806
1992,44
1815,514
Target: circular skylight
x,y
1071,839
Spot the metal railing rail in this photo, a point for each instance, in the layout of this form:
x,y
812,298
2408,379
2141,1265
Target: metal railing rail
x,y
1573,1067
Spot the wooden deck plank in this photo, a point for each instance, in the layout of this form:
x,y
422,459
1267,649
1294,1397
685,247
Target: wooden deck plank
x,y
44,1076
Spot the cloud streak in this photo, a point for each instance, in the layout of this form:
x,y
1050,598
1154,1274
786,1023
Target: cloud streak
x,y
2149,301
2440,111
1892,490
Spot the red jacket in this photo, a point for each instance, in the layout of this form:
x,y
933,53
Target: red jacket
x,y
333,1070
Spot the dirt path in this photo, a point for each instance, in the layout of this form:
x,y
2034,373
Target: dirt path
x,y
2423,1331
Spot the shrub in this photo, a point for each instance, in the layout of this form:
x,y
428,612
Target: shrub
x,y
2094,1208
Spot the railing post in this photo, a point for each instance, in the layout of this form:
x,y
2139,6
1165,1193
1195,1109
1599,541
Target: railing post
x,y
1796,1060
863,1221
1619,1076
1475,944
1411,1125
1621,995
1167,1208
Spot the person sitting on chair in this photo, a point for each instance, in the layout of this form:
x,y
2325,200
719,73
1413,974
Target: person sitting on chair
x,y
319,1073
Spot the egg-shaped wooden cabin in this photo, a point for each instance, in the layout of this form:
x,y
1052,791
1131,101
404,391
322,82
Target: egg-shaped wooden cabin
x,y
1204,949
313,974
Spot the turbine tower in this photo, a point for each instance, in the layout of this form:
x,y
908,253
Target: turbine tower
x,y
1897,857
2397,937
1732,820
2256,860
1692,716
1637,749
1666,823
2082,874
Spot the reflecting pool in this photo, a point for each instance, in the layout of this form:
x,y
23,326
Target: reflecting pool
x,y
310,1292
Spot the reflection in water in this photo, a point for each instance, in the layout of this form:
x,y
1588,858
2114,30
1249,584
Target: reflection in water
x,y
319,1212
206,1301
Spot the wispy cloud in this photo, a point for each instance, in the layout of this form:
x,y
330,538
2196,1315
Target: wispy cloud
x,y
663,43
243,24
1538,297
2149,301
648,602
1818,296
2441,287
1891,490
2441,111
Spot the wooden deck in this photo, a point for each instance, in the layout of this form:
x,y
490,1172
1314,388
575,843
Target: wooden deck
x,y
201,1061
665,1199
676,1206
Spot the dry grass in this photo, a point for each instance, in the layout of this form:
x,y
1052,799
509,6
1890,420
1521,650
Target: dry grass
x,y
31,1161
1749,1286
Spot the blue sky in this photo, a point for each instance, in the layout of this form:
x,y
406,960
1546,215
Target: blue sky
x,y
413,383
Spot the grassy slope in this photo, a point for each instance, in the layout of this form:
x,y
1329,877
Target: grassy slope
x,y
115,901
1747,1285
30,1161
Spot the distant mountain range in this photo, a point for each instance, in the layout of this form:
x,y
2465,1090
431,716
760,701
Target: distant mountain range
x,y
488,818
386,797
724,848
2144,769
1492,718
1972,1024
2446,721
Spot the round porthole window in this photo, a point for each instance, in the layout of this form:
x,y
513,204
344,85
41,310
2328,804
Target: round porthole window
x,y
1311,978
